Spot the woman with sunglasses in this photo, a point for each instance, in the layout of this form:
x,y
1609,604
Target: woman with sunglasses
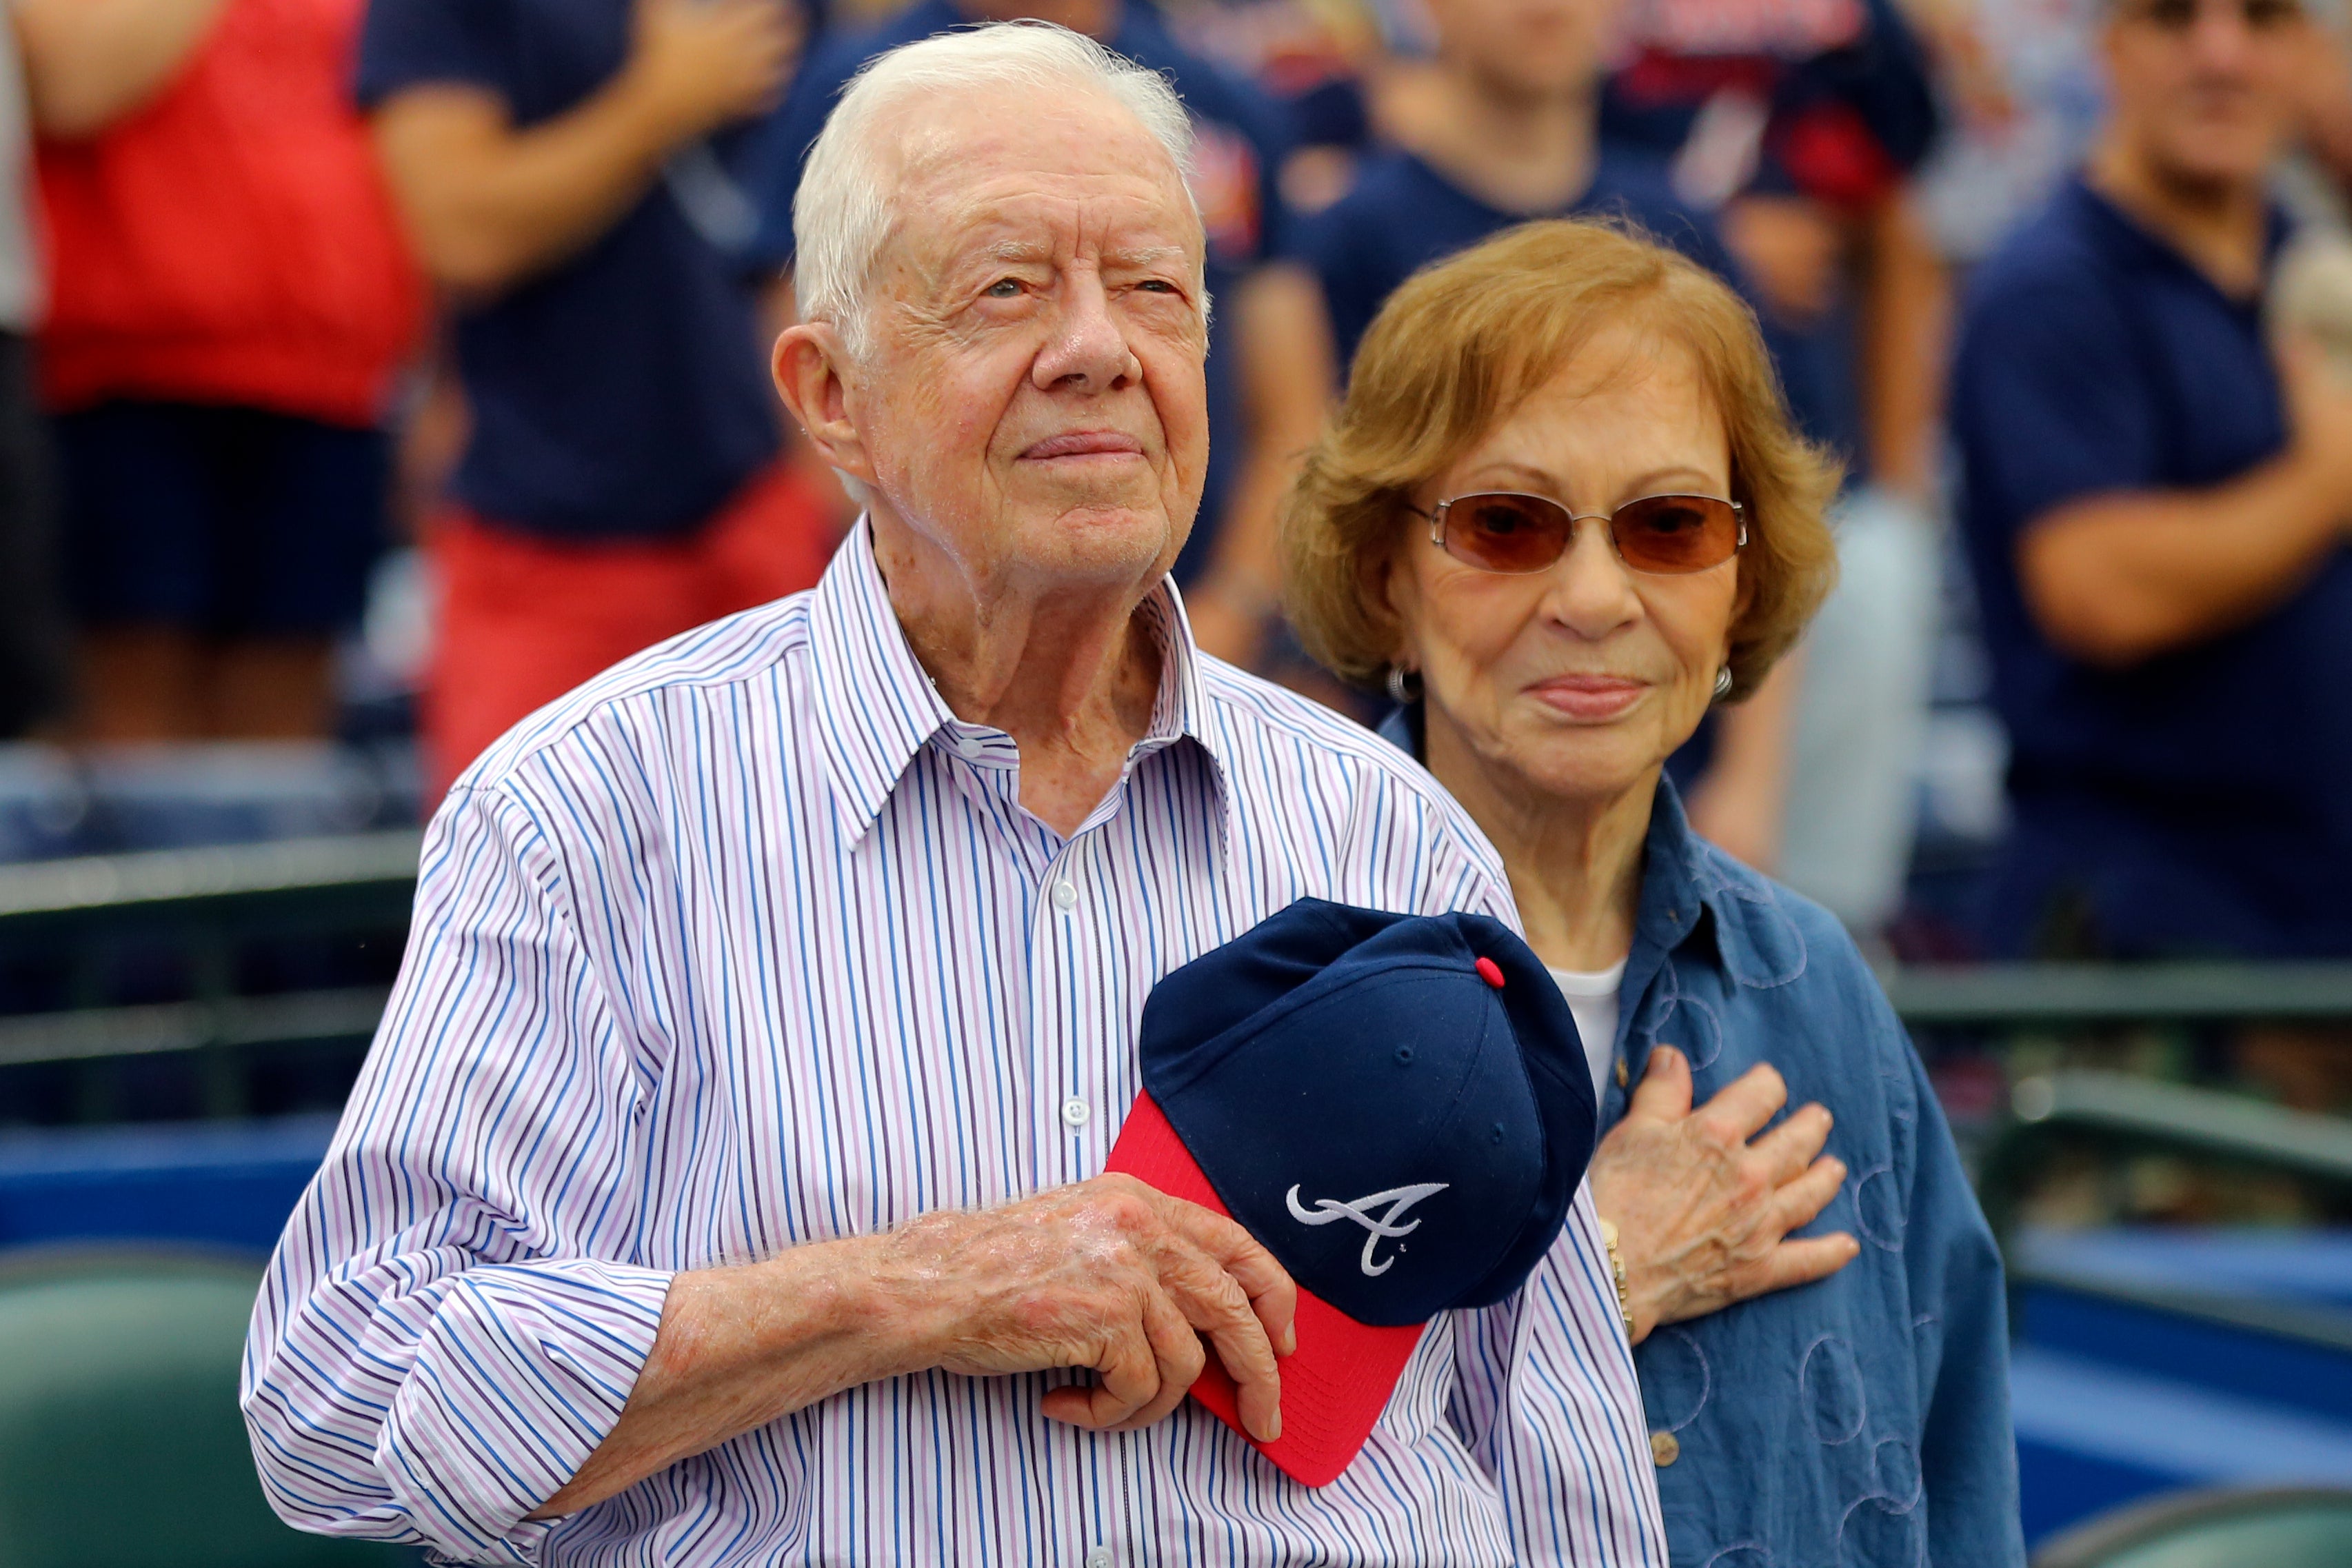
x,y
1561,512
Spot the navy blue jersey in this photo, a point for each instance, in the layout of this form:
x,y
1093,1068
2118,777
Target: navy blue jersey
x,y
1402,214
622,394
2194,802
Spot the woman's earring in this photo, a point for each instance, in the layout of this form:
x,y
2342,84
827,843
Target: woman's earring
x,y
1723,683
1405,686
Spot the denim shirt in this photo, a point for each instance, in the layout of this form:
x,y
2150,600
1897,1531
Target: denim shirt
x,y
1863,1419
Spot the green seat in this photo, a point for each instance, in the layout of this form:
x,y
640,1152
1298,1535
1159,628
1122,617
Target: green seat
x,y
2266,1528
121,1444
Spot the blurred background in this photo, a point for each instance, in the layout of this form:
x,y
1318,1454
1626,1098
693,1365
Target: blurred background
x,y
370,375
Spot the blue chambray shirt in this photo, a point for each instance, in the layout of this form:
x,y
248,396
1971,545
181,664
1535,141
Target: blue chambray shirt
x,y
1863,1419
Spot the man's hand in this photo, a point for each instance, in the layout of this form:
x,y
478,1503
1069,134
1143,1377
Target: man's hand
x,y
697,65
1793,251
488,204
1107,1274
1703,1214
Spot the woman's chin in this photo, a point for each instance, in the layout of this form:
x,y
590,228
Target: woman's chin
x,y
1588,762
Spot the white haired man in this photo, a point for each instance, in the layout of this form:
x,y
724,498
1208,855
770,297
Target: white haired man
x,y
724,1184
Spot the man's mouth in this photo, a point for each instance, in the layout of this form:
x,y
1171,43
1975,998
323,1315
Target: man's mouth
x,y
1084,444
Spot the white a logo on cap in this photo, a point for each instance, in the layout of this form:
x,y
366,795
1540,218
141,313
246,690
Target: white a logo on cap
x,y
1364,1212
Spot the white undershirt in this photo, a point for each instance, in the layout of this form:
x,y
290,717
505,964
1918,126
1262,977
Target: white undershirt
x,y
1592,998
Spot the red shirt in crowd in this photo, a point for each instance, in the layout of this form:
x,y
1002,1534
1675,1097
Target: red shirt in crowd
x,y
232,241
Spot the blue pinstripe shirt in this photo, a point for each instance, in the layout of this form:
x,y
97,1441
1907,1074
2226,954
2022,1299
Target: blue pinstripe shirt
x,y
750,943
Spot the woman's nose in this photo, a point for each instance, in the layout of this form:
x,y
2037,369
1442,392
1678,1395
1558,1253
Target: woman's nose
x,y
1590,590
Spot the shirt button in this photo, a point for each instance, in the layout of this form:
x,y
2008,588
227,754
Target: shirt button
x,y
1665,1448
1098,1557
1065,896
1074,1112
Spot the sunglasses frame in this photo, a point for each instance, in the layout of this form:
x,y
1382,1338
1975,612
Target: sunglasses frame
x,y
1436,516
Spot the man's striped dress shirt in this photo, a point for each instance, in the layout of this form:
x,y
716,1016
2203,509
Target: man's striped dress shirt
x,y
750,943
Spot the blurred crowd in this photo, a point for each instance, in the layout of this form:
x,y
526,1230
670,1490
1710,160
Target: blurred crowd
x,y
317,310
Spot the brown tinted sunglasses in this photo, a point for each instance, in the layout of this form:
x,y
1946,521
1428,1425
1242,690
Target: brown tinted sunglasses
x,y
1503,531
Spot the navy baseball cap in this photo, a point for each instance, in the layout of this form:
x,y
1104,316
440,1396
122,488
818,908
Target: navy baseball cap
x,y
1396,1106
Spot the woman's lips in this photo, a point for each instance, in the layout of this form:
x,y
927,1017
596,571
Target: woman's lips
x,y
1085,444
1590,696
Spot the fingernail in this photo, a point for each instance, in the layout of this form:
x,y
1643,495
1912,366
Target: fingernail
x,y
1274,1426
1291,1341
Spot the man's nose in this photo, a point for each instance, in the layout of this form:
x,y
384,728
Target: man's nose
x,y
1590,590
1085,349
2221,36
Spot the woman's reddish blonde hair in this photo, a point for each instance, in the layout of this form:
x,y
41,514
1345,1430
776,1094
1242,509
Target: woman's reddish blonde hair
x,y
1461,345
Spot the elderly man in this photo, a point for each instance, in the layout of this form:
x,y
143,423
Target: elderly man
x,y
724,1185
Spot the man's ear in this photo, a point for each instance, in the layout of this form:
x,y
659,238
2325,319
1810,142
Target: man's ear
x,y
811,369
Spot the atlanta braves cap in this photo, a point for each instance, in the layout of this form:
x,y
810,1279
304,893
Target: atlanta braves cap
x,y
1396,1106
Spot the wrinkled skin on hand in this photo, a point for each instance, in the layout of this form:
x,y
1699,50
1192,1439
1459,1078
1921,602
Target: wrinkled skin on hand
x,y
1107,1274
1703,1206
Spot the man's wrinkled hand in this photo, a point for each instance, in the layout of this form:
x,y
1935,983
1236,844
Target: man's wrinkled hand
x,y
1702,1214
1107,1274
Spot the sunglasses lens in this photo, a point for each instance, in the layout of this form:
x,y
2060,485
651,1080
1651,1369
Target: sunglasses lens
x,y
1676,533
1506,532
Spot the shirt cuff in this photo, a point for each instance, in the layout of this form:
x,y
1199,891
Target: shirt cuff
x,y
522,1374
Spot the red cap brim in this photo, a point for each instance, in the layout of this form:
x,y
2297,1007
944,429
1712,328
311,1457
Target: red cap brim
x,y
1335,1385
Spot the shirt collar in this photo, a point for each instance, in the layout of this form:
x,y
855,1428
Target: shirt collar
x,y
2127,239
1690,891
878,707
1693,892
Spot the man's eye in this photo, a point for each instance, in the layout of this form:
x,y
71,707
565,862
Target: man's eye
x,y
1158,285
1005,289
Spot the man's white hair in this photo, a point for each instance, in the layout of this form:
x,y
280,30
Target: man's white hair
x,y
845,208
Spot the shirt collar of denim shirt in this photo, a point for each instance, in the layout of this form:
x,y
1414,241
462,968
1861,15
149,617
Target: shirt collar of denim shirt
x,y
1691,893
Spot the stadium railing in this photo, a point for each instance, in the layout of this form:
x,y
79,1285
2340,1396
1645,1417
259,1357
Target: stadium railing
x,y
209,903
77,925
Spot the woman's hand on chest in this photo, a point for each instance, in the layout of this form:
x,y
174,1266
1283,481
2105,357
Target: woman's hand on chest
x,y
1703,1204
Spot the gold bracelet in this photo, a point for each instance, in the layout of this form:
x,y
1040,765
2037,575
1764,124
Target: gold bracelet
x,y
1617,1271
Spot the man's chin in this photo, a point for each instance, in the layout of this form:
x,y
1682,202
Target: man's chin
x,y
1101,543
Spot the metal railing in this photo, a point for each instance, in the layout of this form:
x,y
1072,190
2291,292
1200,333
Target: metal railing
x,y
2119,1118
362,879
205,911
2030,995
209,898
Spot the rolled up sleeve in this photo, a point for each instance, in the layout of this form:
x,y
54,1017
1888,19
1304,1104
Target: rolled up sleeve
x,y
449,1325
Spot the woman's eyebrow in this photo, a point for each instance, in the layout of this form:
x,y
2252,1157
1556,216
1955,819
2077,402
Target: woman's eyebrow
x,y
1634,489
1678,473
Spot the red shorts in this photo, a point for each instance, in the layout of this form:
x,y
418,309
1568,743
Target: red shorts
x,y
524,619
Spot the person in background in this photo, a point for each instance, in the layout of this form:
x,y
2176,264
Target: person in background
x,y
229,304
1507,130
565,173
1563,509
1267,394
36,635
2158,499
1800,126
